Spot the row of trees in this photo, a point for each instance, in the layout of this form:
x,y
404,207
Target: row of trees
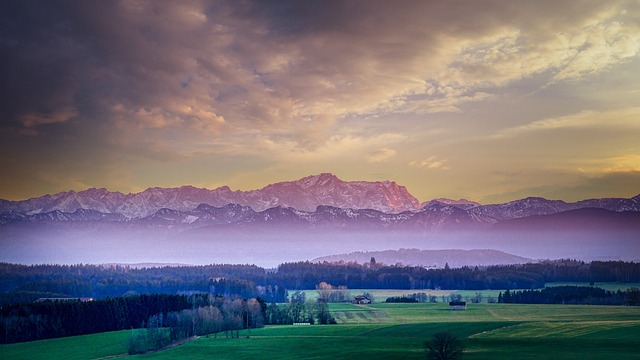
x,y
163,319
221,315
304,275
20,283
415,298
49,319
299,312
333,294
61,288
578,295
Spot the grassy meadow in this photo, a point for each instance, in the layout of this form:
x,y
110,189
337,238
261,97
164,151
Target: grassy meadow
x,y
94,346
393,331
380,295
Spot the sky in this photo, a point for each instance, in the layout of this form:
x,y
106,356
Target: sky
x,y
485,100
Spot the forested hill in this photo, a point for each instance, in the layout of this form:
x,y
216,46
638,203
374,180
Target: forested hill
x,y
21,283
431,258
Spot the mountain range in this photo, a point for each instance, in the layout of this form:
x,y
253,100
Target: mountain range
x,y
304,194
304,219
320,201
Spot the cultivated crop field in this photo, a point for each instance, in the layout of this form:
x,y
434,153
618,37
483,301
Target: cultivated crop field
x,y
395,331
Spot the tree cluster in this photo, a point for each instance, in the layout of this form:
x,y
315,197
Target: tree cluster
x,y
298,312
304,275
164,319
50,319
401,299
575,295
220,315
332,294
413,298
21,283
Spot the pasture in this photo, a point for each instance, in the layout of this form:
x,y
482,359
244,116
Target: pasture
x,y
398,331
380,295
394,331
94,346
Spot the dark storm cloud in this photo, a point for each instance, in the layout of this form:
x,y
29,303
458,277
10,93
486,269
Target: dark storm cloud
x,y
243,59
137,83
39,64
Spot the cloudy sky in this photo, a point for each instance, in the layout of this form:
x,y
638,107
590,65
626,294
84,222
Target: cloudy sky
x,y
484,100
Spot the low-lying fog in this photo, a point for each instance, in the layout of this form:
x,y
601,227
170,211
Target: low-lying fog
x,y
59,244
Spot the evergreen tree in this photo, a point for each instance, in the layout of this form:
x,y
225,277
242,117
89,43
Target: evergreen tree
x,y
507,297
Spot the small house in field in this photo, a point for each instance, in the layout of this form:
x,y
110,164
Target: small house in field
x,y
361,299
458,305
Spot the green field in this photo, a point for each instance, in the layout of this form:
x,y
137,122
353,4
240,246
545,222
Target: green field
x,y
381,295
95,346
394,331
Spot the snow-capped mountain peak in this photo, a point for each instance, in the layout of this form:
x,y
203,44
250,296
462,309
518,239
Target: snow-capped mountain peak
x,y
305,194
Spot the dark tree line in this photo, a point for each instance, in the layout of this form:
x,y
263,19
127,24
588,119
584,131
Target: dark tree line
x,y
55,287
413,298
574,295
20,283
50,319
401,299
304,275
163,319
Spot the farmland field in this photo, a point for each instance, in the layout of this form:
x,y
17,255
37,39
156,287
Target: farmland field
x,y
387,331
380,295
93,346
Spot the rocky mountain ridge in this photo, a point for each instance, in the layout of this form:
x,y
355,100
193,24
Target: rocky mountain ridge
x,y
435,217
540,206
315,201
305,194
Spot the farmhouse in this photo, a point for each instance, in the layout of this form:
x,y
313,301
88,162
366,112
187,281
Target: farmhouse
x,y
458,305
361,299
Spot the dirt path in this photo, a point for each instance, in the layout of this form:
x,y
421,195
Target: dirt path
x,y
493,313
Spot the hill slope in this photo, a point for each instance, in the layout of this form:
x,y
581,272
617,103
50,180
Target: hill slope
x,y
431,258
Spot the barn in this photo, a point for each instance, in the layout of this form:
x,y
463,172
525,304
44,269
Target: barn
x,y
361,299
458,305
